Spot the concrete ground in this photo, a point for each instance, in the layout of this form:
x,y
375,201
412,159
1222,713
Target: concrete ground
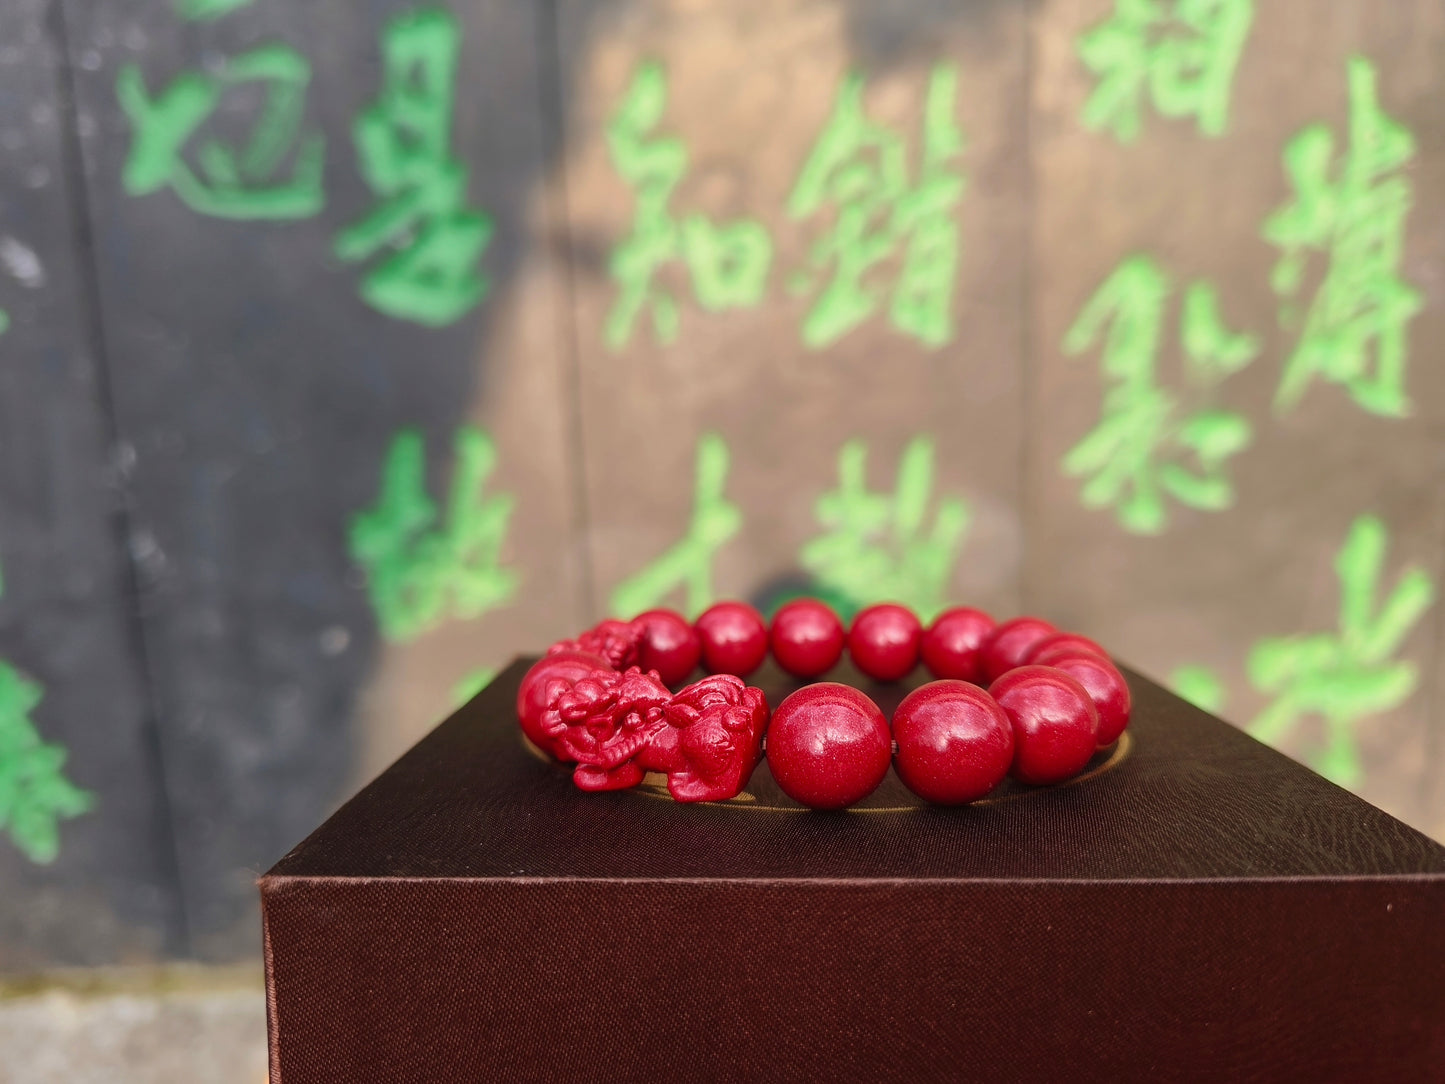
x,y
170,1025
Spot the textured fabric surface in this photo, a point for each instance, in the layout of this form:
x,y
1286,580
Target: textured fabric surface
x,y
1197,908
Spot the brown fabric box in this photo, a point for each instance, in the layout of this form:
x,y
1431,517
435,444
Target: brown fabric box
x,y
1195,907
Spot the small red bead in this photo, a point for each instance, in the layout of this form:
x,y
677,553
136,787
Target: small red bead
x,y
568,666
828,745
1104,684
1055,724
955,744
807,637
1062,643
1010,642
669,645
950,647
884,641
734,638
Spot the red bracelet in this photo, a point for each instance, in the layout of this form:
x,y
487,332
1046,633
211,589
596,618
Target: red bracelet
x,y
603,702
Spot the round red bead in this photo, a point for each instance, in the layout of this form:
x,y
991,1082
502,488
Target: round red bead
x,y
1062,643
568,666
734,638
807,637
1010,642
1055,724
669,645
955,744
828,745
1104,684
950,647
884,641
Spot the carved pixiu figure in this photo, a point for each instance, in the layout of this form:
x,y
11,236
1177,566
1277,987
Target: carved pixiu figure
x,y
588,702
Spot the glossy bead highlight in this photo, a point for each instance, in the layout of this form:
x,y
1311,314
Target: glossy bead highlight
x,y
806,637
734,638
1010,643
884,641
952,646
1106,688
1055,723
828,746
670,645
955,744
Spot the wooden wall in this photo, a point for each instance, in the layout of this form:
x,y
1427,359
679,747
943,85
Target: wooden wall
x,y
308,424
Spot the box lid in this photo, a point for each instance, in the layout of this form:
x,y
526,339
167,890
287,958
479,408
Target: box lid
x,y
1181,796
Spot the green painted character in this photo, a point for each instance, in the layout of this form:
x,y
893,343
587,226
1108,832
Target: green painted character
x,y
879,547
4,321
204,11
276,174
860,169
34,793
471,683
1147,446
1181,54
419,569
1200,686
728,263
432,240
688,564
1354,209
1349,674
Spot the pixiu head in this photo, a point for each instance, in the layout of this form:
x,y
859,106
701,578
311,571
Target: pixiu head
x,y
606,718
616,641
718,725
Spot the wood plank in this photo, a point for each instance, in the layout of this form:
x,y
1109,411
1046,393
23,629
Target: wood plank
x,y
67,620
260,394
1214,584
783,408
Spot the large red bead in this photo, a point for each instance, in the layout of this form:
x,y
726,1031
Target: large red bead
x,y
734,638
1055,724
532,694
955,744
669,645
807,637
1062,643
1010,644
950,647
1104,684
884,641
828,745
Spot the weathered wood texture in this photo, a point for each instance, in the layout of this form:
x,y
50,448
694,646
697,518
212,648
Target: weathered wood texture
x,y
259,396
1213,583
66,618
784,409
253,394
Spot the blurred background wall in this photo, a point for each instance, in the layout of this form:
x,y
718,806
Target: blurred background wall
x,y
352,348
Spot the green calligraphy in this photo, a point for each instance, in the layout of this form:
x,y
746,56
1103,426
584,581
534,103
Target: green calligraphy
x,y
1147,445
688,564
860,169
728,262
203,11
880,547
1200,686
225,181
420,569
34,793
432,239
1355,330
471,683
1341,677
1181,54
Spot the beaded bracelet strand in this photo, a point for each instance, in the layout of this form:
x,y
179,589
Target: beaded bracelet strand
x,y
603,702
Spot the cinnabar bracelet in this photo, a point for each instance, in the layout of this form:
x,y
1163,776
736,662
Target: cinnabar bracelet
x,y
602,701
